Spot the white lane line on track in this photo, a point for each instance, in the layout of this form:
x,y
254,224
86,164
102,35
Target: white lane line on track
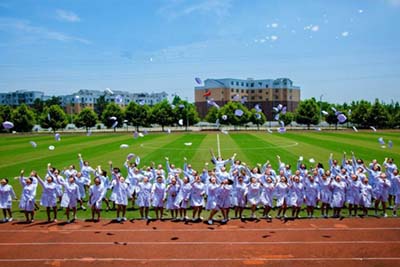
x,y
89,259
215,230
197,243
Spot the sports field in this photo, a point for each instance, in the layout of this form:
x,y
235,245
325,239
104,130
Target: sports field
x,y
251,147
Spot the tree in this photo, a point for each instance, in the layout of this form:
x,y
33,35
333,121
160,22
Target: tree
x,y
229,110
54,100
5,114
112,110
257,118
100,105
86,118
38,106
138,115
307,112
187,112
377,115
23,118
176,100
212,115
359,114
162,114
53,117
287,118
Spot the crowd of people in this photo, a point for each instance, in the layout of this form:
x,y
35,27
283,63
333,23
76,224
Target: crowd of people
x,y
224,185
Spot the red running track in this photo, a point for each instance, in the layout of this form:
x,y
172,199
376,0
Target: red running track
x,y
348,242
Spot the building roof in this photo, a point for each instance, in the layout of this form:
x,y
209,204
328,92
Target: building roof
x,y
248,83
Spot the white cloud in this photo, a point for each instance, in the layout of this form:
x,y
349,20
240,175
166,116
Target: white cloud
x,y
175,8
67,16
27,29
274,25
315,28
345,34
274,38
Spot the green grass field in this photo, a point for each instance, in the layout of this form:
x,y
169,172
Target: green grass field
x,y
16,153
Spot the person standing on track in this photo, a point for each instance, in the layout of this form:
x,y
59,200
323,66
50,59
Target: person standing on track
x,y
183,198
49,196
338,195
381,193
96,194
172,191
144,198
281,192
197,198
7,194
325,192
158,197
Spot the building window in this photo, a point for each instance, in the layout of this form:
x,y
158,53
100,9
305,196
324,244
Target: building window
x,y
252,91
247,84
237,83
266,86
260,91
237,90
242,91
252,85
260,97
252,98
242,83
260,83
232,90
232,83
247,91
267,92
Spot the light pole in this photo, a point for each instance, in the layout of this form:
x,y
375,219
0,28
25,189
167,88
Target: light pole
x,y
320,108
187,114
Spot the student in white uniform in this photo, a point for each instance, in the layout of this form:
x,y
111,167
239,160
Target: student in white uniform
x,y
381,193
353,194
172,191
396,185
212,195
96,194
122,192
86,170
27,201
325,193
239,197
49,197
253,196
311,192
295,195
183,198
267,196
158,197
7,194
144,198
338,195
366,196
197,198
224,199
83,183
70,196
281,192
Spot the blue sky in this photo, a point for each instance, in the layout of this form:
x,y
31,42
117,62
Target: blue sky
x,y
344,50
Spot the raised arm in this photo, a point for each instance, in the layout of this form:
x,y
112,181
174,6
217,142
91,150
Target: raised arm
x,y
80,160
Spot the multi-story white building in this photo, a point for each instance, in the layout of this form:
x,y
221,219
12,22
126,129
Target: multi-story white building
x,y
75,102
84,98
21,96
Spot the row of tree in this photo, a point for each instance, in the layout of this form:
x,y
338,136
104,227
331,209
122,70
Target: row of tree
x,y
49,114
53,116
